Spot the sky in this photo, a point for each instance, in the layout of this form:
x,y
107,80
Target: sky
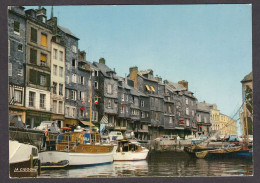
x,y
210,46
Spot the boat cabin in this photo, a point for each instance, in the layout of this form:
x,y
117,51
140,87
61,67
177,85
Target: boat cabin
x,y
81,142
126,146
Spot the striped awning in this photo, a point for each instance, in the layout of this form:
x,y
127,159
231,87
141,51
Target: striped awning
x,y
152,88
87,123
147,87
104,119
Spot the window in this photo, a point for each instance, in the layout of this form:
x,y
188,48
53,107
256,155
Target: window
x,y
42,100
43,39
95,116
126,110
96,73
142,103
61,71
81,113
170,120
54,88
55,53
10,70
67,111
109,88
8,47
42,80
143,114
73,112
43,59
33,56
187,122
187,101
205,119
73,95
44,19
33,35
187,111
18,96
67,93
192,112
61,89
109,103
60,106
73,63
81,95
74,78
126,98
61,56
17,27
20,47
31,99
55,70
96,85
122,109
156,116
122,97
54,106
82,80
67,79
74,49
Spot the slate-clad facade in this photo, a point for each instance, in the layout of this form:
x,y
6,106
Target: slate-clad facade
x,y
16,60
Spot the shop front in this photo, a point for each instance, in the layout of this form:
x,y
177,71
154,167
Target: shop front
x,y
34,118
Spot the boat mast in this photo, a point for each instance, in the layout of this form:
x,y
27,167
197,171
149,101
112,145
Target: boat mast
x,y
90,109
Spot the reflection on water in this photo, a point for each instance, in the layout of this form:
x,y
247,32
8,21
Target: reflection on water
x,y
160,164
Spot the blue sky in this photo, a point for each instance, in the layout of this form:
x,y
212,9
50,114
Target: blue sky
x,y
210,46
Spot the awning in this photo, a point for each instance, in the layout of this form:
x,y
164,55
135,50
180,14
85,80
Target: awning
x,y
147,87
82,108
152,88
87,123
104,119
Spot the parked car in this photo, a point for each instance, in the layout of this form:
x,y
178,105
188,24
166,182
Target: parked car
x,y
52,126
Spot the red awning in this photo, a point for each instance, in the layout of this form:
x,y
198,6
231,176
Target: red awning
x,y
82,108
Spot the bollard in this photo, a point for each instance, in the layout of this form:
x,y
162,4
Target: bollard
x,y
39,167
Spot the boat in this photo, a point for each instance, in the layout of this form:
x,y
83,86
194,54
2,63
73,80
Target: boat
x,y
128,150
79,149
23,160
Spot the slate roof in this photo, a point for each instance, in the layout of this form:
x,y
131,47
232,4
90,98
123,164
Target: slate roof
x,y
67,31
103,68
248,77
202,106
176,86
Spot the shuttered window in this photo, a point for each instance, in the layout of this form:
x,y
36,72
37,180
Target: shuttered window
x,y
16,27
33,35
33,56
33,76
44,40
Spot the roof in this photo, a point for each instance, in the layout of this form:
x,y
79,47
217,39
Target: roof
x,y
136,92
175,86
202,106
103,68
248,77
67,31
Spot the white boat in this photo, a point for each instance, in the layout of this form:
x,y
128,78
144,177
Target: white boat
x,y
80,149
130,151
23,159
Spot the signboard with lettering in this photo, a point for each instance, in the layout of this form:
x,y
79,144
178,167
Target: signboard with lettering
x,y
86,138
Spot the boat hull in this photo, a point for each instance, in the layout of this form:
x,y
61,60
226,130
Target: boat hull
x,y
76,159
131,156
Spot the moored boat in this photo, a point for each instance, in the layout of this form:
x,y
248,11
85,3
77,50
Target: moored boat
x,y
128,150
23,160
80,149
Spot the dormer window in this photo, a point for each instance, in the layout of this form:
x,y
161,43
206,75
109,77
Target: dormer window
x,y
44,19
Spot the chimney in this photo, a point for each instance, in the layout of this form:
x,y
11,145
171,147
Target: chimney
x,y
183,83
158,78
82,55
102,61
133,75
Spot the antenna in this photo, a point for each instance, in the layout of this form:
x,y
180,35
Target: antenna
x,y
52,11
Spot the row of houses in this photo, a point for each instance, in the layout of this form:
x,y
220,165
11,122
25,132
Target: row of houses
x,y
51,79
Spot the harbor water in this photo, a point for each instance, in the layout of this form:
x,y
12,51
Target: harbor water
x,y
160,164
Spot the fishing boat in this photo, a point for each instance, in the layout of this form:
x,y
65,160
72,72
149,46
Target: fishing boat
x,y
23,160
80,149
129,150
